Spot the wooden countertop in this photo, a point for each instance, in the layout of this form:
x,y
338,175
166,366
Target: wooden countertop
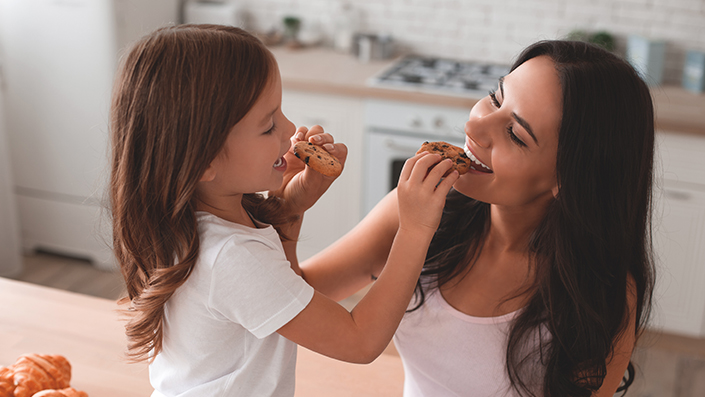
x,y
85,330
321,70
89,333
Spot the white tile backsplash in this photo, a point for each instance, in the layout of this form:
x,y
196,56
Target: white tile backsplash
x,y
496,31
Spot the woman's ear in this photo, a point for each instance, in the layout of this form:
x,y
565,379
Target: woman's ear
x,y
208,174
555,191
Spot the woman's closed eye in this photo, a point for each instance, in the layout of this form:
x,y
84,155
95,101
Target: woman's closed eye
x,y
510,128
493,98
513,137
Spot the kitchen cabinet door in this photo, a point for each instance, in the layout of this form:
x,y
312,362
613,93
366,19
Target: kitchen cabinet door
x,y
339,209
679,235
679,241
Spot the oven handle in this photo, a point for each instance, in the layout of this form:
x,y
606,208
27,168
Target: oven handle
x,y
392,145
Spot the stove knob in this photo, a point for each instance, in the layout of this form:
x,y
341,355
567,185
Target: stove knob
x,y
416,122
439,122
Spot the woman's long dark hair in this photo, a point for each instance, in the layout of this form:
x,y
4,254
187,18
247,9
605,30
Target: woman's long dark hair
x,y
595,235
177,95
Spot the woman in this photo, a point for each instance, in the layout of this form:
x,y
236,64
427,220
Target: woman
x,y
538,281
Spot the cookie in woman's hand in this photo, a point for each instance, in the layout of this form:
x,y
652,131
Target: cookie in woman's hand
x,y
318,158
461,162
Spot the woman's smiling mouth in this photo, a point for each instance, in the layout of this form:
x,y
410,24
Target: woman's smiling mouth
x,y
477,164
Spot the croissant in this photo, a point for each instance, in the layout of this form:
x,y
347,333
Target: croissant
x,y
35,372
7,385
67,392
38,375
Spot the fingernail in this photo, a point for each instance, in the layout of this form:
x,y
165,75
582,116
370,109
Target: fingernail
x,y
300,136
329,147
316,138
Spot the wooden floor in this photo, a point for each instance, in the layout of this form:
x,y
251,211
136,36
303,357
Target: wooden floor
x,y
71,275
667,365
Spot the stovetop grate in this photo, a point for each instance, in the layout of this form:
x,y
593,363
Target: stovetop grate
x,y
418,73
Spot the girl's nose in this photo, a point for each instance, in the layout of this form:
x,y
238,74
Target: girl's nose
x,y
289,129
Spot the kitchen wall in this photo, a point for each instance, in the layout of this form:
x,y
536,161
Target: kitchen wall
x,y
496,31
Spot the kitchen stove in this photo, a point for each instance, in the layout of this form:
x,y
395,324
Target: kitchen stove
x,y
394,130
442,76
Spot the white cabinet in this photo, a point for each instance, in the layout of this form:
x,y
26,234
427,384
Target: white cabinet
x,y
679,234
339,209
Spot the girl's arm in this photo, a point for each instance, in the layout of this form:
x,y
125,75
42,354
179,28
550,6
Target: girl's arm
x,y
361,335
350,263
302,186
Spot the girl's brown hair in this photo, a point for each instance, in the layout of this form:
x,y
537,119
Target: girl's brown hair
x,y
178,93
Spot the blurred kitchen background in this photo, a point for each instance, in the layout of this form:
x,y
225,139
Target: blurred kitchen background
x,y
494,31
380,75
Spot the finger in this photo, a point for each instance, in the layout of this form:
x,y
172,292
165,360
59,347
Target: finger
x,y
444,186
408,167
321,139
314,130
339,150
436,173
300,134
425,165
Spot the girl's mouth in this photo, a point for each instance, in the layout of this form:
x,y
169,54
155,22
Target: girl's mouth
x,y
280,165
477,165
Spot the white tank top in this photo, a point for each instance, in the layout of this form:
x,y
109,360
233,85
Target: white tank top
x,y
448,353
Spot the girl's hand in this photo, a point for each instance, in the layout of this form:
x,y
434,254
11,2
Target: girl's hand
x,y
302,186
422,191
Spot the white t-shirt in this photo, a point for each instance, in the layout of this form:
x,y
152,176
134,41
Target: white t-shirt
x,y
446,352
219,326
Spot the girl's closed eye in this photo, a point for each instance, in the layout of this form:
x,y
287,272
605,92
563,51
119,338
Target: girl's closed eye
x,y
270,130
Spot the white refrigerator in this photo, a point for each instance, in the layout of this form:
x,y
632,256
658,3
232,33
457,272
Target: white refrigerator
x,y
60,57
10,261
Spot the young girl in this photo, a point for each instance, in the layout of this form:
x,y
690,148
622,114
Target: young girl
x,y
216,304
538,281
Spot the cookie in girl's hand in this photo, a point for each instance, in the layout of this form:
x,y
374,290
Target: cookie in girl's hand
x,y
318,158
461,162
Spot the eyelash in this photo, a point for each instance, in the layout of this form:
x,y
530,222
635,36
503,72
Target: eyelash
x,y
510,129
493,98
269,131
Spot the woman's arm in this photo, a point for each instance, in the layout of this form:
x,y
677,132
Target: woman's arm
x,y
361,335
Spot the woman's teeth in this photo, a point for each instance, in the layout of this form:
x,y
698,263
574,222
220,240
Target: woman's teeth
x,y
279,162
474,159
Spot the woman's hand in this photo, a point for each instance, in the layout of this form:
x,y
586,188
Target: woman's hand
x,y
422,191
302,186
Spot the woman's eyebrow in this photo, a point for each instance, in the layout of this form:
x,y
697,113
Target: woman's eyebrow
x,y
526,126
519,120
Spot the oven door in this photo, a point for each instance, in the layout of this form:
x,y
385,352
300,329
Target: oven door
x,y
386,151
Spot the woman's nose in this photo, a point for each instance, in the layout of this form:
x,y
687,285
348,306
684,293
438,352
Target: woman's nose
x,y
477,129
